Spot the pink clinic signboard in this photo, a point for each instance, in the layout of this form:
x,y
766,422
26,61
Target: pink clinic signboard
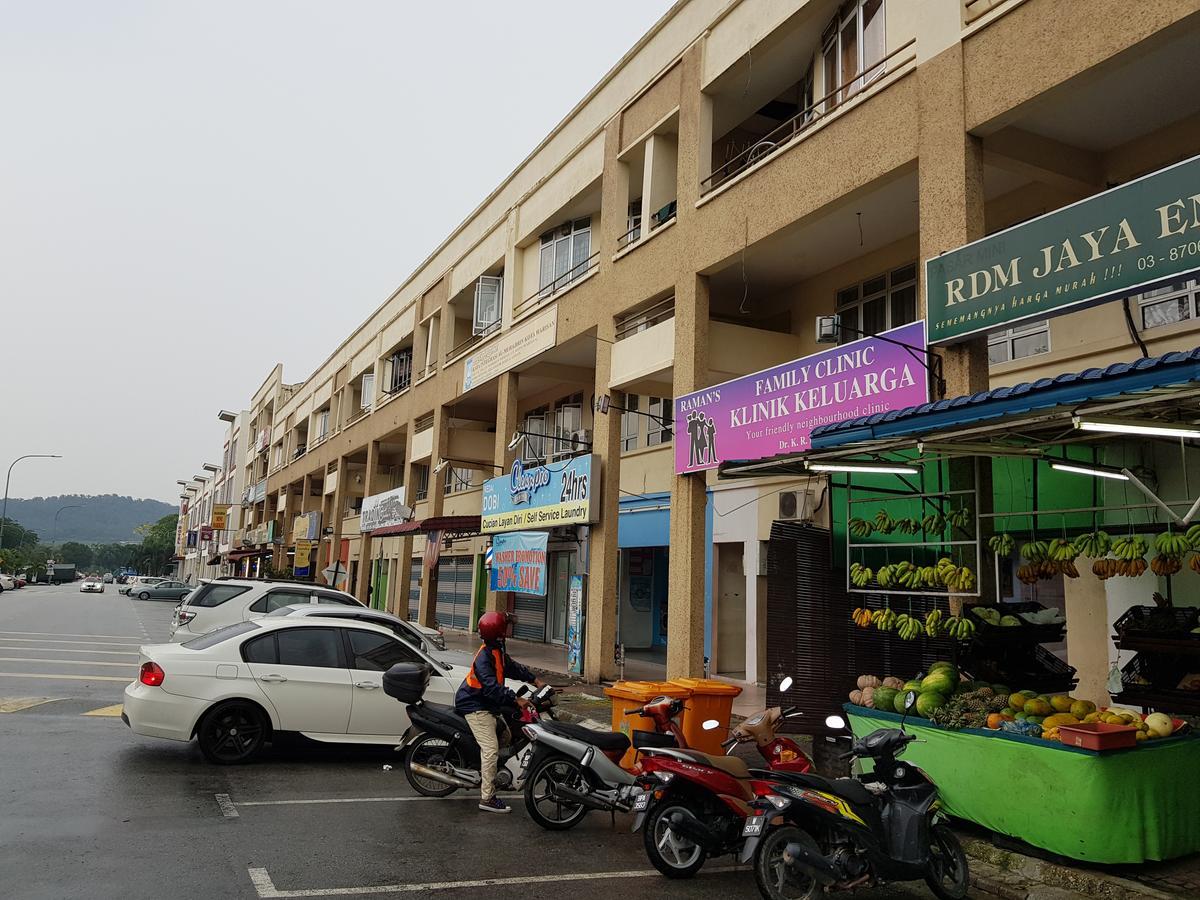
x,y
774,411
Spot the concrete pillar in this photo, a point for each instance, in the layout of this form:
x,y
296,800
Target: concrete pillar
x,y
950,195
686,592
507,421
370,480
695,131
514,269
1088,634
398,600
427,611
603,586
338,512
614,193
278,550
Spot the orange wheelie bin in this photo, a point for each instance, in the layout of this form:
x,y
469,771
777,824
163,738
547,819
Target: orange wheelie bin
x,y
630,695
710,699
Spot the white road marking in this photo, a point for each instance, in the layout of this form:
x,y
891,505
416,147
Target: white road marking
x,y
128,637
228,810
68,662
266,887
351,800
69,650
76,643
67,677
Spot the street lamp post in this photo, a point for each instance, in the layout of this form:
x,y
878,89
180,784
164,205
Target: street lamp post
x,y
54,531
4,510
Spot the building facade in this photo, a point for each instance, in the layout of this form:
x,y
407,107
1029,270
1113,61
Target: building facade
x,y
745,168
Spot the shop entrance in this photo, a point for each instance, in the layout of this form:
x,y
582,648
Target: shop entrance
x,y
455,577
642,618
730,612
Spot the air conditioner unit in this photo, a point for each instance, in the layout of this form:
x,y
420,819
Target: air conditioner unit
x,y
582,438
796,505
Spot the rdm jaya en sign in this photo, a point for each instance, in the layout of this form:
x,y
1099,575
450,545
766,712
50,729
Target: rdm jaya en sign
x,y
1108,246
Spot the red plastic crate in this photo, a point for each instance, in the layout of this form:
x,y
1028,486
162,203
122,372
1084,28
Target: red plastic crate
x,y
1098,736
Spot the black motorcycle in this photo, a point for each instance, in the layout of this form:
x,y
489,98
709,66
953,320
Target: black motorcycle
x,y
814,834
439,750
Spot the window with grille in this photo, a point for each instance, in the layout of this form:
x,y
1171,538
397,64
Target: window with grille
x,y
568,419
564,254
879,303
421,482
533,450
659,428
630,422
1017,343
1170,303
458,480
852,43
400,376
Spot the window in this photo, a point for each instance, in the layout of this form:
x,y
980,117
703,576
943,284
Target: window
x,y
276,599
421,477
322,423
214,594
1169,304
260,650
568,419
339,599
564,252
279,454
852,43
221,634
1017,343
377,652
630,421
489,290
633,221
367,396
658,432
458,479
401,370
533,448
309,647
879,303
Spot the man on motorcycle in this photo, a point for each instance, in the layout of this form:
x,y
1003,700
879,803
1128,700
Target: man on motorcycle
x,y
484,701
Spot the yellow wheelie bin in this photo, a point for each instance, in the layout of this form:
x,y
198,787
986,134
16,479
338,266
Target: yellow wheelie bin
x,y
630,695
711,699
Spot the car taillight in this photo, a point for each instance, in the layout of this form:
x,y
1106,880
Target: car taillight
x,y
185,616
152,674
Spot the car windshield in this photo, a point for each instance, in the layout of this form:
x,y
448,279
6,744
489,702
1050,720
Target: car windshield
x,y
218,635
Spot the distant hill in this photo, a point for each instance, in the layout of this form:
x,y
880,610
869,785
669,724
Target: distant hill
x,y
101,519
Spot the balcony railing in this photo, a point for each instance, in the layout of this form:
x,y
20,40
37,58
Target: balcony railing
x,y
974,10
631,323
299,451
657,220
357,414
783,134
560,283
423,423
474,339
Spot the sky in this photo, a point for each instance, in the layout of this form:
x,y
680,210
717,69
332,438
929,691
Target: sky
x,y
191,192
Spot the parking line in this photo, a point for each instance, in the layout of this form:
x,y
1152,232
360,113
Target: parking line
x,y
16,704
78,643
67,662
408,799
266,887
70,650
227,807
63,677
129,637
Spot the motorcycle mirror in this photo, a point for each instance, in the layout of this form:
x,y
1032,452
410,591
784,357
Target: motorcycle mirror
x,y
910,700
836,722
785,685
711,725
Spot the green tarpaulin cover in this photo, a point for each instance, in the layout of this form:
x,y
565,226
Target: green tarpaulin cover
x,y
1125,806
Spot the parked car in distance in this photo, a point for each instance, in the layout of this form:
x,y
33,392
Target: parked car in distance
x,y
91,586
318,677
225,601
163,590
20,580
7,583
411,632
108,578
136,581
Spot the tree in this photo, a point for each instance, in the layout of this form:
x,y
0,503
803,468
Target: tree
x,y
113,556
158,544
17,535
75,552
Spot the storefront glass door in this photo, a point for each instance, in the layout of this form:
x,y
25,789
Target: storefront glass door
x,y
560,584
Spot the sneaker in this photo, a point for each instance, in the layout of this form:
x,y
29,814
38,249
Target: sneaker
x,y
495,805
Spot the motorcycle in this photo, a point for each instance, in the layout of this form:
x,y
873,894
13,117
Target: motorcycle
x,y
440,753
812,835
574,770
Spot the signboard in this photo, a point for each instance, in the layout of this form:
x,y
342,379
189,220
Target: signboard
x,y
191,539
575,626
302,564
773,411
260,491
517,345
1107,246
519,562
565,493
384,510
307,527
206,532
220,516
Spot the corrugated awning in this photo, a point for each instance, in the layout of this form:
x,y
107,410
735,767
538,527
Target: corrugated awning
x,y
449,524
390,530
235,555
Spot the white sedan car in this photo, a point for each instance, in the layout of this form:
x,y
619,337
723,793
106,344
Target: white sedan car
x,y
91,586
236,687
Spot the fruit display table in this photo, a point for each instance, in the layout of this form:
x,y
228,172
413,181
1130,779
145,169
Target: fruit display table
x,y
1124,806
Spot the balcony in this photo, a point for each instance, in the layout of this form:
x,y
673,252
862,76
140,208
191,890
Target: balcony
x,y
645,344
473,339
973,11
657,220
560,284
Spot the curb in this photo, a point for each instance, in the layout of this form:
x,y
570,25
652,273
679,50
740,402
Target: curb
x,y
1081,881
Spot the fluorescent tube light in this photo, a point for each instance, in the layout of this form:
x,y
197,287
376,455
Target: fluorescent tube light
x,y
876,468
1089,470
1123,426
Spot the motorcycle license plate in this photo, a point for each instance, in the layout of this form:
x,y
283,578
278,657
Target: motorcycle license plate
x,y
642,803
753,826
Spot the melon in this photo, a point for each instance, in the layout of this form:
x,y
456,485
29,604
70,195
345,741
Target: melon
x,y
940,682
928,702
942,664
885,698
914,685
898,701
1158,724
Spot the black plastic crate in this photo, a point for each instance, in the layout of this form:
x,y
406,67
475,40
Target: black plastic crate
x,y
1025,633
1157,622
1035,669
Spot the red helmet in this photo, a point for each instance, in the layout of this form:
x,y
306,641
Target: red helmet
x,y
494,625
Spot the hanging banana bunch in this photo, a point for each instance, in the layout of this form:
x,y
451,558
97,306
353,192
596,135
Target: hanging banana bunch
x,y
860,528
862,617
908,628
1094,545
860,575
933,623
883,619
1001,544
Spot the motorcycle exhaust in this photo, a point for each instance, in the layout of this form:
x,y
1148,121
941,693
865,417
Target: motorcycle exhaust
x,y
565,793
814,865
443,777
685,823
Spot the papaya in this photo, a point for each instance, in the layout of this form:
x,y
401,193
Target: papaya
x,y
1036,706
1036,720
1029,693
1017,701
1081,709
1062,702
1059,719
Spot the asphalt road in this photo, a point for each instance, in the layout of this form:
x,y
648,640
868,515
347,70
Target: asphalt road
x,y
91,810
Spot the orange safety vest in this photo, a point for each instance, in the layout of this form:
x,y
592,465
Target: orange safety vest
x,y
497,657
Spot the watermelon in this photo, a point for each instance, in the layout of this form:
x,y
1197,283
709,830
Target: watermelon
x,y
928,702
942,664
914,685
885,698
940,682
898,701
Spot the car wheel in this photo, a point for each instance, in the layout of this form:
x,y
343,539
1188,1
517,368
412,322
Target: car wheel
x,y
232,733
143,596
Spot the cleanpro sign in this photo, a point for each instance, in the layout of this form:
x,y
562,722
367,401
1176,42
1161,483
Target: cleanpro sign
x,y
561,493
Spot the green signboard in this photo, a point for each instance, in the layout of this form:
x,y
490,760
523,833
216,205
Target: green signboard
x,y
1107,246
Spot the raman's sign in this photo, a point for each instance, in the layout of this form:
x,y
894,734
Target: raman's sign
x,y
563,493
519,562
1105,247
772,412
384,510
519,344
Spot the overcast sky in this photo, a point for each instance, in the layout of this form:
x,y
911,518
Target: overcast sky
x,y
190,192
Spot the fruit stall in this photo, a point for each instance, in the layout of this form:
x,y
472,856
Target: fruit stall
x,y
1097,784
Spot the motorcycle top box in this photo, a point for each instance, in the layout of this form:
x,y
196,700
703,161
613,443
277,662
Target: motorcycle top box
x,y
406,681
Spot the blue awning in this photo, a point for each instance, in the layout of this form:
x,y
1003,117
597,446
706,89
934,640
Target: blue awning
x,y
1073,389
